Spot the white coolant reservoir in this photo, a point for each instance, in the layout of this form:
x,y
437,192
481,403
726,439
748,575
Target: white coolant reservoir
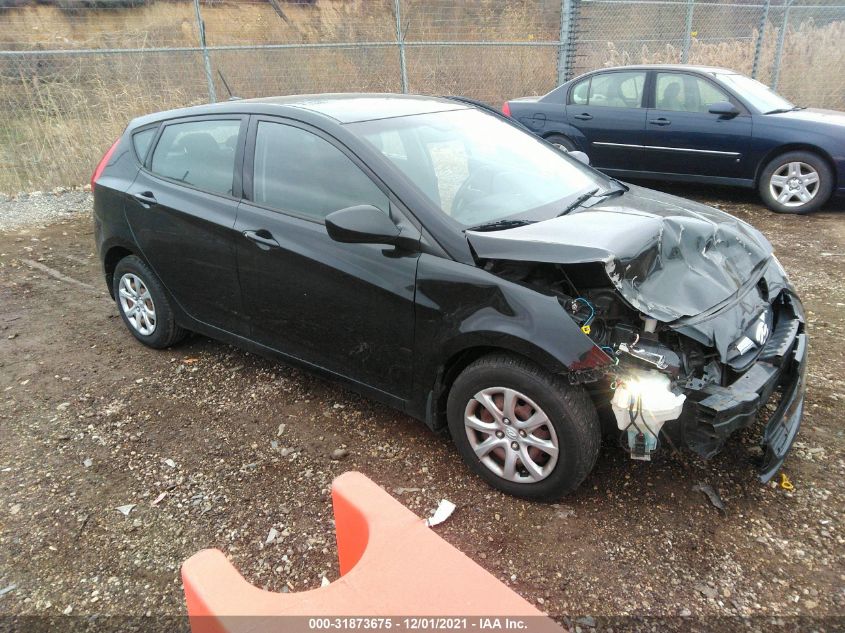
x,y
642,404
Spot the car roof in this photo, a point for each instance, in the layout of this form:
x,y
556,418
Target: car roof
x,y
341,107
354,107
688,67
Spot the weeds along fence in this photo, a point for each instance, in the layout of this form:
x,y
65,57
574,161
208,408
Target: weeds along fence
x,y
74,72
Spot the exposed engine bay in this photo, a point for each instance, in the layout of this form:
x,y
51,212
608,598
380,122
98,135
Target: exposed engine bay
x,y
697,319
655,367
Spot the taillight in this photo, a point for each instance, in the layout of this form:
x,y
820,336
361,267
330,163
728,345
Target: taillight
x,y
103,162
506,109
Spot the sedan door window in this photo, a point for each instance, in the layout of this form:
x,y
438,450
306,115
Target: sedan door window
x,y
299,172
679,92
581,93
613,90
198,153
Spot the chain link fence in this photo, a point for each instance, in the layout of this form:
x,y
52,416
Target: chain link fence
x,y
73,72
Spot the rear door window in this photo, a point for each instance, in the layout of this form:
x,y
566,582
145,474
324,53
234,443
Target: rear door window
x,y
617,90
580,92
612,90
198,153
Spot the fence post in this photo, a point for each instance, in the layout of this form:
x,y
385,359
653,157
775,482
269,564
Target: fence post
x,y
208,77
566,40
400,40
758,45
779,50
688,32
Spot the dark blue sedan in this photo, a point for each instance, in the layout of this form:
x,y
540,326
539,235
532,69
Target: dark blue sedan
x,y
697,124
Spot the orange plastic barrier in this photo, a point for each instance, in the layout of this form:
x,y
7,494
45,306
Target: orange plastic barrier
x,y
391,564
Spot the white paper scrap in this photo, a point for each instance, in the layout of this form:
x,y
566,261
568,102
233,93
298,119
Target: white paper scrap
x,y
443,512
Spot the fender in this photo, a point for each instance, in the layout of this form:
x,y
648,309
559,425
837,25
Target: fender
x,y
460,307
107,248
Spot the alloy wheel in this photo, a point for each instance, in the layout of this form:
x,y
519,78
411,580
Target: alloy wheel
x,y
511,435
794,184
137,304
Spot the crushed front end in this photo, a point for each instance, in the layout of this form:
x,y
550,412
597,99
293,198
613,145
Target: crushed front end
x,y
694,381
777,373
702,330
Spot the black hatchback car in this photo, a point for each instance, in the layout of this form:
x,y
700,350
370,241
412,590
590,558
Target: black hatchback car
x,y
437,257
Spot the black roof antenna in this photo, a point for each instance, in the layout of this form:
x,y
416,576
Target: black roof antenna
x,y
228,89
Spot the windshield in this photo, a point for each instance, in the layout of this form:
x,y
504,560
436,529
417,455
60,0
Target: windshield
x,y
479,169
758,95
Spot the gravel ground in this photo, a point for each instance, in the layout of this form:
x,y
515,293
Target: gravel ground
x,y
214,447
39,208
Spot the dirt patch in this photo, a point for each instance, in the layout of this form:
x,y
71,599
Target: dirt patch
x,y
214,447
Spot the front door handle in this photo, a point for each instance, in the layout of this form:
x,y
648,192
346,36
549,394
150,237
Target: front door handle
x,y
146,198
584,116
662,121
263,238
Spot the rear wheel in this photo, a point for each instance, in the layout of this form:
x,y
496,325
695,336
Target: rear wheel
x,y
144,307
796,182
523,430
562,142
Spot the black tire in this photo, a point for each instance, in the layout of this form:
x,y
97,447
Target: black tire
x,y
562,141
165,332
822,192
568,408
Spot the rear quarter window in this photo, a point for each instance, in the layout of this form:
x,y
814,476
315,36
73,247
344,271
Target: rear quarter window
x,y
141,142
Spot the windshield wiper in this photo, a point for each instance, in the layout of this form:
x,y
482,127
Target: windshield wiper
x,y
500,225
782,110
579,201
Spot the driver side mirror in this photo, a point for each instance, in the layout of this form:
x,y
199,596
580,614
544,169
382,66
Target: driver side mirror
x,y
723,109
361,224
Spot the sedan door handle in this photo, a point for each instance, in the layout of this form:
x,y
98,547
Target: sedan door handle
x,y
146,198
263,238
584,116
661,121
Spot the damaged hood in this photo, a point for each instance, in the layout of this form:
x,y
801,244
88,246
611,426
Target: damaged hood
x,y
668,257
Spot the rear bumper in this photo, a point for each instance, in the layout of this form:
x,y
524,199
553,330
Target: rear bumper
x,y
712,414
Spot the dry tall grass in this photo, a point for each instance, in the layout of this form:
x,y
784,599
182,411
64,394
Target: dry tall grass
x,y
59,113
811,67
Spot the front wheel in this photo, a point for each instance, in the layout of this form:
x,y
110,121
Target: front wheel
x,y
523,430
796,182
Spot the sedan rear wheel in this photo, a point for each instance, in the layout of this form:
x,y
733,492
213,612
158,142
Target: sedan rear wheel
x,y
524,431
796,182
562,142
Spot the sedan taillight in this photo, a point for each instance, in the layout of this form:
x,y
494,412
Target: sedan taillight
x,y
506,109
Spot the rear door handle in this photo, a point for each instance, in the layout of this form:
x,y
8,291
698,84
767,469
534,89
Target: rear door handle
x,y
263,238
584,116
661,121
146,198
